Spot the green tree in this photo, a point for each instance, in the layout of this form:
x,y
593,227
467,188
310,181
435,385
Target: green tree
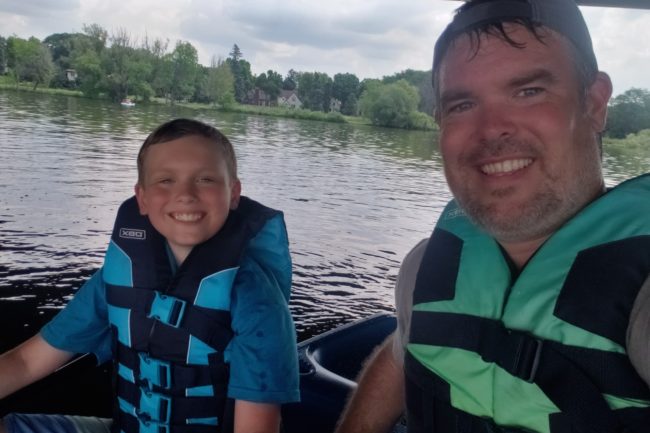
x,y
161,65
370,90
393,105
29,60
97,34
421,80
241,70
290,81
271,83
116,65
86,59
140,70
235,53
3,55
315,90
221,83
185,66
90,72
351,105
65,47
345,88
629,113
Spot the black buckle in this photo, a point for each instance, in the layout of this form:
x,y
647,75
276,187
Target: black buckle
x,y
526,360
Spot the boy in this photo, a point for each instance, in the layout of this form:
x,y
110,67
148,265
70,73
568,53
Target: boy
x,y
191,302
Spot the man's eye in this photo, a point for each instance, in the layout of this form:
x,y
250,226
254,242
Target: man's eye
x,y
530,91
459,107
206,180
165,181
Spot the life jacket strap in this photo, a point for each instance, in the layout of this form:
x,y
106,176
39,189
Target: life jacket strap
x,y
131,424
574,392
157,407
168,376
210,326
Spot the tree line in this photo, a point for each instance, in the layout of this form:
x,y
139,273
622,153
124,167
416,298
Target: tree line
x,y
118,66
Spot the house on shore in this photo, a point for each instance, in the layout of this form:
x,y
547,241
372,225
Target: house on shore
x,y
289,98
258,97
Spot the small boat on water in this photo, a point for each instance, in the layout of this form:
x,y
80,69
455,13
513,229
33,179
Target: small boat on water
x,y
126,102
329,364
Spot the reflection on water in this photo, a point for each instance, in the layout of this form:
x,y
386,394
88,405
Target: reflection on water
x,y
355,200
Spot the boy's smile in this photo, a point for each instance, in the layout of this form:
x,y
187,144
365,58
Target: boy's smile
x,y
186,191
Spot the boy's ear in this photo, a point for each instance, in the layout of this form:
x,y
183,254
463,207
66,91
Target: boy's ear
x,y
235,193
139,196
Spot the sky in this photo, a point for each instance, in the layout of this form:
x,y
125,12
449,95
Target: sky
x,y
370,38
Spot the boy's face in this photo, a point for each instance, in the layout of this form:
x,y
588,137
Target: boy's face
x,y
186,191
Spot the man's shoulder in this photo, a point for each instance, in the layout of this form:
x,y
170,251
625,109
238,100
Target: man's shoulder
x,y
414,257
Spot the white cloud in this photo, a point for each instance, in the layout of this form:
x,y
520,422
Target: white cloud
x,y
367,38
620,40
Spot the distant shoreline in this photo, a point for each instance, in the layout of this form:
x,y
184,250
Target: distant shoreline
x,y
333,117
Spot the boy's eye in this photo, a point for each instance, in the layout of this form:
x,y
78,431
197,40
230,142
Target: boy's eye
x,y
165,181
206,180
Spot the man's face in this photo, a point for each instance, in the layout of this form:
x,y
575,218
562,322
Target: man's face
x,y
517,139
186,191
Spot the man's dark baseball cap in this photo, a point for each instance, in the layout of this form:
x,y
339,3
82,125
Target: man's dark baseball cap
x,y
563,16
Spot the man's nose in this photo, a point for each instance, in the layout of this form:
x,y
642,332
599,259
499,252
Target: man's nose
x,y
495,121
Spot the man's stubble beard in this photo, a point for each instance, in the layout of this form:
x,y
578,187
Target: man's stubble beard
x,y
549,207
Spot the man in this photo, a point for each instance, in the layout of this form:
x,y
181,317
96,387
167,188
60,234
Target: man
x,y
523,310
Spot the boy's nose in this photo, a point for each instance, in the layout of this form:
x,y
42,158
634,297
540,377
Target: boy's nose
x,y
186,191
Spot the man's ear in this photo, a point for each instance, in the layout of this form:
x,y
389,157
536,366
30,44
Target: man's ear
x,y
597,99
235,193
139,196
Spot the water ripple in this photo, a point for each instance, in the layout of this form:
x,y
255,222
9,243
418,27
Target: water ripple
x,y
355,199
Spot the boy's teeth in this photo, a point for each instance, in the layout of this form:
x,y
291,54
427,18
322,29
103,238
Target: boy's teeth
x,y
506,166
187,217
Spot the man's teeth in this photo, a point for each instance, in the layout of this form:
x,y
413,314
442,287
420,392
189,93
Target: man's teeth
x,y
187,217
506,166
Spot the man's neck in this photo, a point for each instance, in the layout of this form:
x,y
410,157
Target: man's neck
x,y
521,252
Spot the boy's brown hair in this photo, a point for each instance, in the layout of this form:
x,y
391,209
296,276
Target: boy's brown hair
x,y
179,128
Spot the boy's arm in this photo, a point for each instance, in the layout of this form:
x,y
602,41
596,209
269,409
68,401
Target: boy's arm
x,y
29,362
263,355
378,401
253,417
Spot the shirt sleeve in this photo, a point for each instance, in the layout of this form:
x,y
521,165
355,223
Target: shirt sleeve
x,y
638,333
404,288
262,354
82,326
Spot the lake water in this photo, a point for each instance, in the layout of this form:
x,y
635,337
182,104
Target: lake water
x,y
355,198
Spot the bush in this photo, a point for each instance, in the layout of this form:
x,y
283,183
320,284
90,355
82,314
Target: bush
x,y
419,120
640,140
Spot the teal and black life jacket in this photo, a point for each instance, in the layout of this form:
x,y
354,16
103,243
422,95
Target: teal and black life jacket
x,y
171,328
544,351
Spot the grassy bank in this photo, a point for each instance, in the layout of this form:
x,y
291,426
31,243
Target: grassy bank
x,y
7,82
639,141
269,111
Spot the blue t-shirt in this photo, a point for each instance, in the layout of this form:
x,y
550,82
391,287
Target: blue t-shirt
x,y
262,353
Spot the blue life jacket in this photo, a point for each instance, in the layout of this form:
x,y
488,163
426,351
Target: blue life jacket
x,y
543,351
171,328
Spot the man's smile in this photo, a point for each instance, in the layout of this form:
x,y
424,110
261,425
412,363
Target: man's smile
x,y
504,167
